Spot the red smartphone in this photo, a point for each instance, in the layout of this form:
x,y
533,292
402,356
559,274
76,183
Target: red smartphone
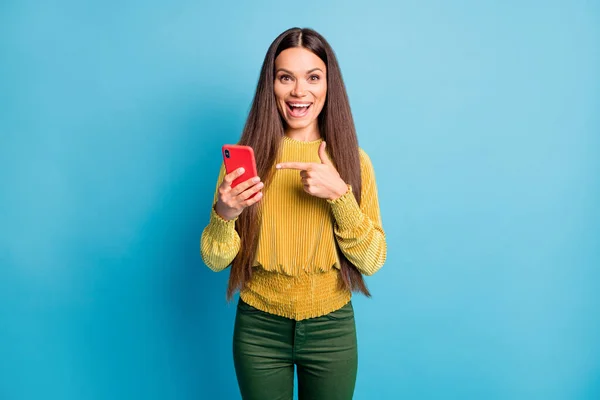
x,y
236,156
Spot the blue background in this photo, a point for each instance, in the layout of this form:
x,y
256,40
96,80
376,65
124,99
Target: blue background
x,y
482,121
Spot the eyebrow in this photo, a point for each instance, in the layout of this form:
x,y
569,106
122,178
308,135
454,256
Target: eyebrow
x,y
291,73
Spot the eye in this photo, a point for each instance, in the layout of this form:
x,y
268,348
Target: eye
x,y
285,78
314,78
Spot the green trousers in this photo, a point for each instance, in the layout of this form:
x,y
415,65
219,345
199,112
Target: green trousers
x,y
266,347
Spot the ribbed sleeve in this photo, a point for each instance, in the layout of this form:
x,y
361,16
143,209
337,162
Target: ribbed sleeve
x,y
358,229
220,241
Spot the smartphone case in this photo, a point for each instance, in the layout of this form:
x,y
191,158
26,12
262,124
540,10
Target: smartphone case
x,y
239,156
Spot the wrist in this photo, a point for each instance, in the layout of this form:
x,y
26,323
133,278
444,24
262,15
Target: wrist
x,y
221,214
342,190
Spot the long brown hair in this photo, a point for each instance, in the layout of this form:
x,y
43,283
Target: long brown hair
x,y
264,131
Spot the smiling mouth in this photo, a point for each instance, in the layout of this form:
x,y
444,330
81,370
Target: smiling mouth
x,y
298,110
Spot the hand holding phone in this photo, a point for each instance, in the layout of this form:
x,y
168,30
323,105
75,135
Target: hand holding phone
x,y
241,186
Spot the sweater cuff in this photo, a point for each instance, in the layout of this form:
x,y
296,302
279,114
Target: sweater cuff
x,y
221,230
346,211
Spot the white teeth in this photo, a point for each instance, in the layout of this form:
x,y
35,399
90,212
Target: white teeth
x,y
299,105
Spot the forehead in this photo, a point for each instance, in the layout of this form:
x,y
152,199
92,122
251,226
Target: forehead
x,y
298,59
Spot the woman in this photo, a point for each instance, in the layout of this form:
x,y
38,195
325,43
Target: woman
x,y
301,245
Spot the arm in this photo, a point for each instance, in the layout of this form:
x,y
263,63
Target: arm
x,y
220,241
358,229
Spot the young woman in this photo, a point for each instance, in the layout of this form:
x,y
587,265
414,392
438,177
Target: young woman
x,y
299,247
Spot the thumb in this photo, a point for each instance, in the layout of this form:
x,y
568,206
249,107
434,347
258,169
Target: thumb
x,y
323,155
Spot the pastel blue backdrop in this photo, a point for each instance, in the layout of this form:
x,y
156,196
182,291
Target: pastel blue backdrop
x,y
482,121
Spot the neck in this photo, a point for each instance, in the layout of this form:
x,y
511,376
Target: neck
x,y
306,134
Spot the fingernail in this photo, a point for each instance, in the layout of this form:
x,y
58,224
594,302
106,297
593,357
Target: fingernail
x,y
256,179
241,170
278,166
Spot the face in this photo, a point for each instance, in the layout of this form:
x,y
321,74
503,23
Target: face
x,y
300,87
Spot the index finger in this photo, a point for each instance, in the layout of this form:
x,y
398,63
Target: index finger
x,y
303,166
230,177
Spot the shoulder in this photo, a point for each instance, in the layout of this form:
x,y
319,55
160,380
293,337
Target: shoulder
x,y
365,160
366,166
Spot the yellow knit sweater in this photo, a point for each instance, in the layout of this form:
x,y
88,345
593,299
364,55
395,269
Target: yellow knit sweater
x,y
296,270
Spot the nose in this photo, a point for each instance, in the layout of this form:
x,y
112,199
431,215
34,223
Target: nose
x,y
298,90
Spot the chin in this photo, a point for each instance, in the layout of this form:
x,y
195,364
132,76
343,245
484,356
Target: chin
x,y
299,124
